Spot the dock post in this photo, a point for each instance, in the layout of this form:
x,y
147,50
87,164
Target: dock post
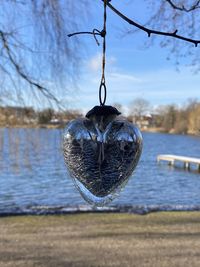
x,y
171,163
199,168
187,165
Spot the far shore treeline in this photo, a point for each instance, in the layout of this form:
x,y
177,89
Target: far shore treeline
x,y
166,118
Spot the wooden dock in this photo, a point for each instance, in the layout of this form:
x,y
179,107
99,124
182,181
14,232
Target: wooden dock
x,y
187,161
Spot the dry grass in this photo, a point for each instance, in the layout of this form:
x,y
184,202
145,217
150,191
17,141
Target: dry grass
x,y
89,240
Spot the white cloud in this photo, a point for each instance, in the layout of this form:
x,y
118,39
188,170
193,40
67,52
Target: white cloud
x,y
113,74
160,87
123,77
95,63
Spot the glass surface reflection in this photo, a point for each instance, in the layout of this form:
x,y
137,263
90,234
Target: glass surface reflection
x,y
101,152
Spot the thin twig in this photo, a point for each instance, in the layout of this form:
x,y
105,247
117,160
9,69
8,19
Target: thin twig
x,y
77,33
150,31
94,33
183,8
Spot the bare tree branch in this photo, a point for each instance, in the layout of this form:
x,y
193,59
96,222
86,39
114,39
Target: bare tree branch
x,y
21,73
34,51
183,8
150,31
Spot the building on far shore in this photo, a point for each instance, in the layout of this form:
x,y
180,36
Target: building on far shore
x,y
143,122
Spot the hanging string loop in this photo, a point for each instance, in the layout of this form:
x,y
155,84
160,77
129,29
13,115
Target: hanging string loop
x,y
102,100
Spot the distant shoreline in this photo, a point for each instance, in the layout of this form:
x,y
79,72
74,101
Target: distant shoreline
x,y
35,126
62,126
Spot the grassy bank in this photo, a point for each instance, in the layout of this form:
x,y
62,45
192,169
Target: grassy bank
x,y
157,240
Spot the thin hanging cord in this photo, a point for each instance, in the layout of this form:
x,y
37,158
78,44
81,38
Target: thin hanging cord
x,y
95,32
103,80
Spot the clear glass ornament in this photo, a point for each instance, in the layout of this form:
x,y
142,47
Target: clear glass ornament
x,y
101,153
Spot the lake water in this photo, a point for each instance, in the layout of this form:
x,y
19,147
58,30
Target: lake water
x,y
33,176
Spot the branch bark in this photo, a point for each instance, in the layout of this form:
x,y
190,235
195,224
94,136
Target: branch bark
x,y
150,31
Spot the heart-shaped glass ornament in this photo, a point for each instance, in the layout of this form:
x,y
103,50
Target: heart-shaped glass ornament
x,y
101,153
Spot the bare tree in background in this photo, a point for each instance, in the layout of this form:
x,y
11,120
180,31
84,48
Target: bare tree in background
x,y
34,47
181,17
139,107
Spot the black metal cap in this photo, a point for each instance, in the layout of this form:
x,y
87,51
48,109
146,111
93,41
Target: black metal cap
x,y
103,111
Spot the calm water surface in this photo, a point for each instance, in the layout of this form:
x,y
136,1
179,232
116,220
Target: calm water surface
x,y
33,172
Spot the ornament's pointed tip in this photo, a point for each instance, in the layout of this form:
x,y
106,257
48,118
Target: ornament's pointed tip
x,y
103,111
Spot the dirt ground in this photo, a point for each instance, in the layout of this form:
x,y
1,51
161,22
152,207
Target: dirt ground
x,y
159,240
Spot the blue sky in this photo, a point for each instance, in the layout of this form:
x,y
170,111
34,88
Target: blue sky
x,y
132,70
